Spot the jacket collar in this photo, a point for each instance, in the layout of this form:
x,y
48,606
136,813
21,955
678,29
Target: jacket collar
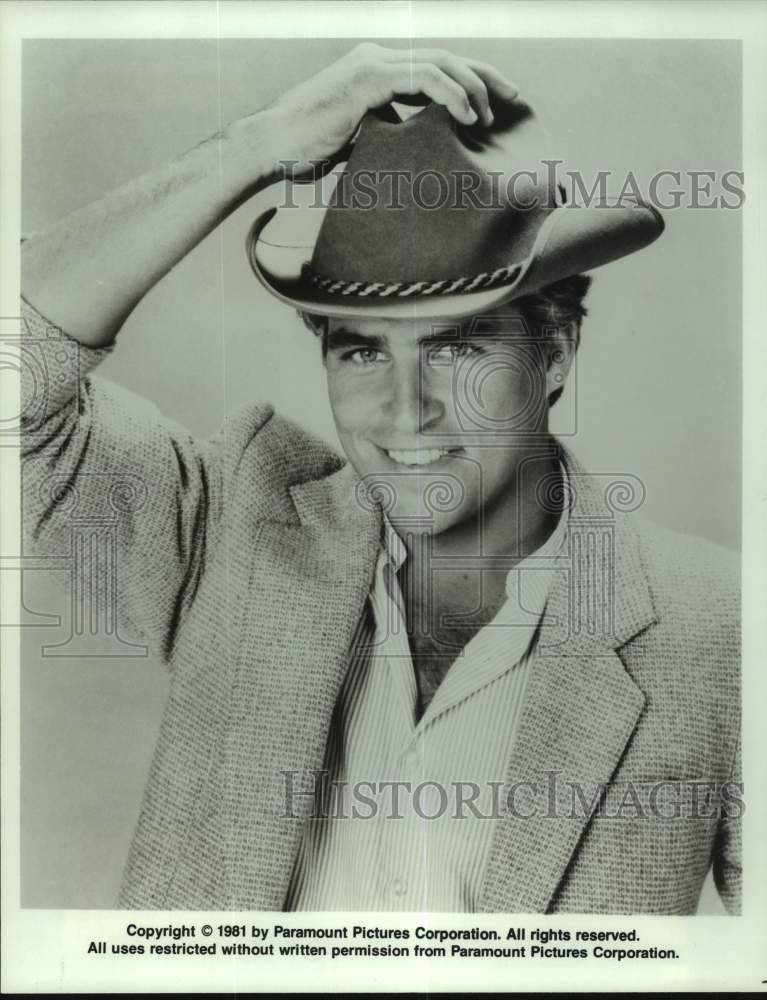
x,y
581,704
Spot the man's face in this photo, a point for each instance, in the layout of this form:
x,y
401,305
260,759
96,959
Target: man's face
x,y
440,416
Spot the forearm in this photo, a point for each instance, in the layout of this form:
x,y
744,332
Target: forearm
x,y
87,272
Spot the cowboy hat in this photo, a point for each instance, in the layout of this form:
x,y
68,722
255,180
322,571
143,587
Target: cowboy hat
x,y
432,218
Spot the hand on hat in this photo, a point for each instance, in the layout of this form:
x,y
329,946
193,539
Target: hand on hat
x,y
315,120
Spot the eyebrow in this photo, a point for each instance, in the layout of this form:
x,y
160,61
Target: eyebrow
x,y
343,337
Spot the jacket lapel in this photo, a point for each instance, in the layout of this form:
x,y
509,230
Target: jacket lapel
x,y
581,705
310,581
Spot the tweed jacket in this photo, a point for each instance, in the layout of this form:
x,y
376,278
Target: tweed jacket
x,y
245,560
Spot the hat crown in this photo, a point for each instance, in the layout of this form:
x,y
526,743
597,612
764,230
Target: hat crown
x,y
428,197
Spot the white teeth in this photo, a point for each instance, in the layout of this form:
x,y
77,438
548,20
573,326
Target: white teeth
x,y
421,456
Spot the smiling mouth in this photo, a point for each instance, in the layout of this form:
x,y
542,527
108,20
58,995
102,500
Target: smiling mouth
x,y
420,456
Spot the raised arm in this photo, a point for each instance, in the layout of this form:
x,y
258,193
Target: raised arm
x,y
104,247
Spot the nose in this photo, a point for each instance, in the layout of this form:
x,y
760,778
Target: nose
x,y
412,406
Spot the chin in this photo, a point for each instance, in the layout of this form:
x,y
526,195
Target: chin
x,y
435,507
424,526
423,502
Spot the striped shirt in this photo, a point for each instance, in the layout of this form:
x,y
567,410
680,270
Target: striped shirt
x,y
404,818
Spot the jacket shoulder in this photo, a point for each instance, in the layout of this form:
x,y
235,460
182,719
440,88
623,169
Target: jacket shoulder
x,y
695,590
687,569
687,662
265,453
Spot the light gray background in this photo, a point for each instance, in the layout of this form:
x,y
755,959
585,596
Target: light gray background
x,y
656,391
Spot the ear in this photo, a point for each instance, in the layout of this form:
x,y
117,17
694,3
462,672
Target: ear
x,y
561,345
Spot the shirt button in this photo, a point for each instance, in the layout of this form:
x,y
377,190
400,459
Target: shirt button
x,y
398,887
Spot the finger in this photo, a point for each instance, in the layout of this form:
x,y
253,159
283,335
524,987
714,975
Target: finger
x,y
428,79
463,74
493,79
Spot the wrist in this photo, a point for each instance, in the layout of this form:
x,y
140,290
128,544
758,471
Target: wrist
x,y
257,148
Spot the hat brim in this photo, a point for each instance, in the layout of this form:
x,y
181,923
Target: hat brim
x,y
571,240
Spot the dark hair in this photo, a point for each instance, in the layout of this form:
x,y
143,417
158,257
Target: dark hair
x,y
552,307
556,306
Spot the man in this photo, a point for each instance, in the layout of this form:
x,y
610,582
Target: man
x,y
448,674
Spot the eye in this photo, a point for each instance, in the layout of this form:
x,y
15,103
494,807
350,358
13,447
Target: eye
x,y
450,352
364,356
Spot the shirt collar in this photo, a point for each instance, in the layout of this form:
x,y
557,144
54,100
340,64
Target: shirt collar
x,y
493,651
394,547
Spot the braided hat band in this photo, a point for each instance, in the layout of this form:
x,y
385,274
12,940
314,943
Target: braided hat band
x,y
403,289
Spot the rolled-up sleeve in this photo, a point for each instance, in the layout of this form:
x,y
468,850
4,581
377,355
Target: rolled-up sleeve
x,y
99,461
